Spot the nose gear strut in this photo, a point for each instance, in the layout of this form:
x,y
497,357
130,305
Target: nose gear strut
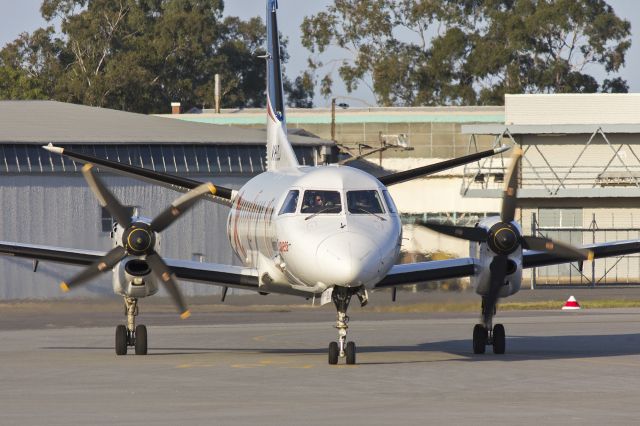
x,y
341,297
487,334
131,335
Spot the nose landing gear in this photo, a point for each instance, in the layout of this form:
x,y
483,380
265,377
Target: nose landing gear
x,y
131,335
487,334
341,297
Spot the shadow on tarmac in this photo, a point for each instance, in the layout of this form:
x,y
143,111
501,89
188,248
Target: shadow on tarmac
x,y
519,348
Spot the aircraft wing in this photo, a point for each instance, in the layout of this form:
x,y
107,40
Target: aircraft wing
x,y
222,195
411,273
407,175
533,259
206,273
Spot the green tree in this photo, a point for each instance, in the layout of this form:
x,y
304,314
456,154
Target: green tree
x,y
413,52
29,66
139,55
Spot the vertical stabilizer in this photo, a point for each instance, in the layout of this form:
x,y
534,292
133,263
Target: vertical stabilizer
x,y
280,154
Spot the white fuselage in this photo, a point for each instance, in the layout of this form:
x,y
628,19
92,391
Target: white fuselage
x,y
314,251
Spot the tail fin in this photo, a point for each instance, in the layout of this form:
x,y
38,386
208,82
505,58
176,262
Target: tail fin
x,y
280,154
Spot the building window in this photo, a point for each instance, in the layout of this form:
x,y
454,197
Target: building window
x,y
167,158
448,218
560,225
107,221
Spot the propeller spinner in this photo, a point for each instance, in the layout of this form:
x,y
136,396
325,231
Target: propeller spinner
x,y
138,238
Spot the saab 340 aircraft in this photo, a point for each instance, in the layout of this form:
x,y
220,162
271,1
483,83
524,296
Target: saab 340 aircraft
x,y
326,231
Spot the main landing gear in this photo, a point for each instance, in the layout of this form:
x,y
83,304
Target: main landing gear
x,y
131,335
487,335
341,297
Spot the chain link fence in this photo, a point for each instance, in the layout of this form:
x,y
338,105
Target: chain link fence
x,y
621,270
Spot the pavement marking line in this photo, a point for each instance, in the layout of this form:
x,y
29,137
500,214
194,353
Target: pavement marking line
x,y
247,365
263,337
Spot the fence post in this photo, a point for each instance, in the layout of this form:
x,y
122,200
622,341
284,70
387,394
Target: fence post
x,y
534,233
594,225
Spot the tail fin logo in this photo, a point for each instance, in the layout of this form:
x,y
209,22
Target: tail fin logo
x,y
275,153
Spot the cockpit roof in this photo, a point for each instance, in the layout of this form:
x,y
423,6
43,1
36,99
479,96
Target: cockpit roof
x,y
339,178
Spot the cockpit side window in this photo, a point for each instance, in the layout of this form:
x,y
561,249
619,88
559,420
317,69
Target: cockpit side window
x,y
290,203
390,204
321,202
364,202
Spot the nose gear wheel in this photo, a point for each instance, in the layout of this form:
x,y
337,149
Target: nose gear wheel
x,y
130,334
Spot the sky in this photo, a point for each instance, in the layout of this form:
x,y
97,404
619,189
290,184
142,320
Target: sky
x,y
24,15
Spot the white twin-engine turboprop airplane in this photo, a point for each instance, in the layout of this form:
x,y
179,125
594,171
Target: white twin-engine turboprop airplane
x,y
329,231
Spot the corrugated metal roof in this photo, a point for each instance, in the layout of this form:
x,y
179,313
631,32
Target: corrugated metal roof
x,y
549,129
41,122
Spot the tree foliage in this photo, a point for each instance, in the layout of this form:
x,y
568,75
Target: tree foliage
x,y
428,52
141,55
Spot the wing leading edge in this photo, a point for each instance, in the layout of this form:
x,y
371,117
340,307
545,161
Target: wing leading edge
x,y
205,273
222,195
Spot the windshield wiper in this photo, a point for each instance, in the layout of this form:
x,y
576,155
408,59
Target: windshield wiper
x,y
370,212
326,209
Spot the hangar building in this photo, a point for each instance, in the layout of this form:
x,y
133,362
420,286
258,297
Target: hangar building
x,y
45,199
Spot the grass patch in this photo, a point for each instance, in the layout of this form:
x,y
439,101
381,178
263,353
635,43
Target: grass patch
x,y
507,306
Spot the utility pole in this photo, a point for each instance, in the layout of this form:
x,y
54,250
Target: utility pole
x,y
217,93
333,119
382,144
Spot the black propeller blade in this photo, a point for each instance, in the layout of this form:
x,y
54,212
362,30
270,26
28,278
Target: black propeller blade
x,y
138,238
160,268
510,194
179,206
498,268
105,263
561,249
106,198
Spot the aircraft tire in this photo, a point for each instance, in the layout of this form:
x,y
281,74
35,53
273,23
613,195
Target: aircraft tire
x,y
141,340
479,339
499,339
333,353
121,340
350,352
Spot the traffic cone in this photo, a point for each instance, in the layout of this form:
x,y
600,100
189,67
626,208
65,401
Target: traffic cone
x,y
571,304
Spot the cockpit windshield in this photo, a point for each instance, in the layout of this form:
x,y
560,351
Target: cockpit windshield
x,y
290,203
364,202
320,202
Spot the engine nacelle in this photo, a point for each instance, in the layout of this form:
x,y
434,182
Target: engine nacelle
x,y
132,277
485,255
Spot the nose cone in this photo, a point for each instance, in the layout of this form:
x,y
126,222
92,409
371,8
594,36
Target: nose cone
x,y
348,259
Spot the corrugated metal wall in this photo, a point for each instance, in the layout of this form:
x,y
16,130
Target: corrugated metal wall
x,y
598,108
60,210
